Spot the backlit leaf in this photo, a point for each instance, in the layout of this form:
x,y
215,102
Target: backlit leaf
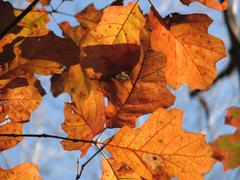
x,y
25,171
191,52
144,91
160,146
113,45
210,3
84,118
227,148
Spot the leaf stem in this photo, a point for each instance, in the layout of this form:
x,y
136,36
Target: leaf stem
x,y
49,136
18,19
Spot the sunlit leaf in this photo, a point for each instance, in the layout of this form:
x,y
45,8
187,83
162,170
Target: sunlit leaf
x,y
227,148
25,171
191,52
210,3
161,145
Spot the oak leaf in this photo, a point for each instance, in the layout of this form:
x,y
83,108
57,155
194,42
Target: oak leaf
x,y
73,81
113,45
62,51
209,3
18,103
142,92
11,127
117,170
191,52
89,17
226,148
160,146
25,171
84,118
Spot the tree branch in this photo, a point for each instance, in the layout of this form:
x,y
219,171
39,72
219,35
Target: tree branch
x,y
49,136
18,19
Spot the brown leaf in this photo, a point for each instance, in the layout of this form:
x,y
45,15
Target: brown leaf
x,y
160,146
51,48
89,17
227,148
84,119
191,52
7,14
144,90
25,171
113,45
209,3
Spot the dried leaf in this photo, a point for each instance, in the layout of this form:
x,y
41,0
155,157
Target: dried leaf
x,y
191,52
25,171
227,148
209,3
113,45
160,146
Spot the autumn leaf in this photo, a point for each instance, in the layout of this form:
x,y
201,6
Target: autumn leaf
x,y
113,45
11,127
142,92
75,33
117,170
160,146
191,52
227,148
62,51
25,171
84,118
19,102
89,17
73,81
7,12
209,3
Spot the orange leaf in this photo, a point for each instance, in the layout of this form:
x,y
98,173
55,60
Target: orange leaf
x,y
191,52
227,148
9,128
160,145
209,3
115,170
73,81
84,119
18,103
142,92
89,17
25,171
113,45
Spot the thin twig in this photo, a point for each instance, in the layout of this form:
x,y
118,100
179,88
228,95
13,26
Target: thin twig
x,y
49,136
18,19
83,165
